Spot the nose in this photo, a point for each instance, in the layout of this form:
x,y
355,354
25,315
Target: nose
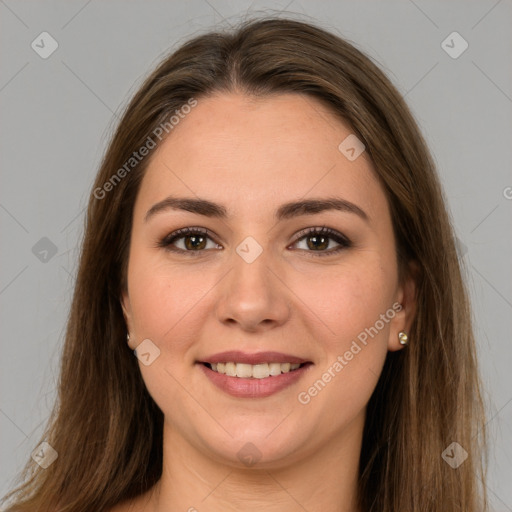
x,y
252,296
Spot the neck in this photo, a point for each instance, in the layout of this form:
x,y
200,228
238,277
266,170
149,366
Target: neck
x,y
323,479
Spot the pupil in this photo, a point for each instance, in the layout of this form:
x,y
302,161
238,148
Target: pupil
x,y
315,239
194,244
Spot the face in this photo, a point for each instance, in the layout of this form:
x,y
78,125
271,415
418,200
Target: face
x,y
261,285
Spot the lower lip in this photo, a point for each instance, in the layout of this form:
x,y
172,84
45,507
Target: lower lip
x,y
254,388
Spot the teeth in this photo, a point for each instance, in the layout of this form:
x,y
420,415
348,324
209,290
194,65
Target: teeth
x,y
243,370
230,369
256,371
274,368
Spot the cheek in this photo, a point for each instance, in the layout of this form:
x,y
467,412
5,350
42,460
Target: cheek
x,y
354,306
348,298
167,300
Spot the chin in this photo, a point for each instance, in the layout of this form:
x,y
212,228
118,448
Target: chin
x,y
259,446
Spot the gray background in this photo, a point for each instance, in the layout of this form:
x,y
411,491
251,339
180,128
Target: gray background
x,y
57,112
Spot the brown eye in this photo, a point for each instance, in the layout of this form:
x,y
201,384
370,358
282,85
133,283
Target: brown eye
x,y
319,239
195,240
192,240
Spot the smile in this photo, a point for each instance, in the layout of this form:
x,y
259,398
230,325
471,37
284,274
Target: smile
x,y
254,371
254,380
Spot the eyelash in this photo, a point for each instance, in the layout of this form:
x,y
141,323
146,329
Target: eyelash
x,y
345,243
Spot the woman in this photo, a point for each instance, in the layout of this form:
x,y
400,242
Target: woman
x,y
268,236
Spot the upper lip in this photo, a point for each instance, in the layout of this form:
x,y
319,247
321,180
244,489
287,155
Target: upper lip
x,y
237,356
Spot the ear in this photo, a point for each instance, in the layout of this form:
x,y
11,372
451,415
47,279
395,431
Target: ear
x,y
406,312
127,313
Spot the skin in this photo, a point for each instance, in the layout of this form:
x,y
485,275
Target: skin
x,y
252,155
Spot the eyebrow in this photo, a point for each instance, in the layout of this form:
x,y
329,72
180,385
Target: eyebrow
x,y
285,211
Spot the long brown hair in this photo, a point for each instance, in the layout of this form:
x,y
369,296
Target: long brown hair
x,y
105,426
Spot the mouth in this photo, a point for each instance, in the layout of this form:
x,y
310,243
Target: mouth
x,y
260,375
254,371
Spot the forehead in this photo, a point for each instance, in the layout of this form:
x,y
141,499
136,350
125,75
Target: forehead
x,y
250,152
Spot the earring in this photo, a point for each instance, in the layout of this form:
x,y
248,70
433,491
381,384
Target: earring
x,y
404,339
128,337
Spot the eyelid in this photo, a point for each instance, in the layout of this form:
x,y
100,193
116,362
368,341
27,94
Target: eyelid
x,y
322,230
166,242
342,241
